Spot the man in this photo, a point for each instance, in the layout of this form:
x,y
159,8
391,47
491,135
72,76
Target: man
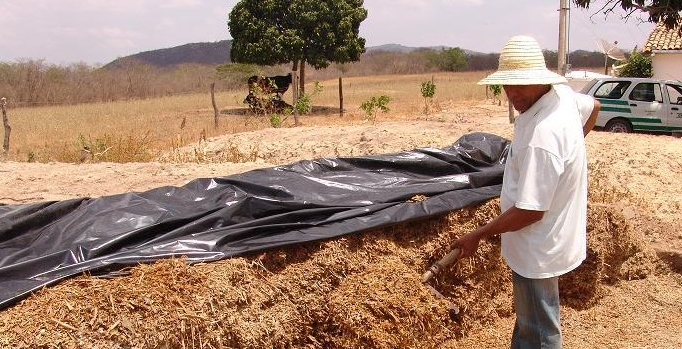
x,y
544,190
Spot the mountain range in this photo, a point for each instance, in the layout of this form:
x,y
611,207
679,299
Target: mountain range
x,y
218,52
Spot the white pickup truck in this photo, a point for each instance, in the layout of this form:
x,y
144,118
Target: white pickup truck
x,y
637,104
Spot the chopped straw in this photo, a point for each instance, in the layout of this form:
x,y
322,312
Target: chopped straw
x,y
359,291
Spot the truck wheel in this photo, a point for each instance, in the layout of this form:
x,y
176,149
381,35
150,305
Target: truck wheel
x,y
619,126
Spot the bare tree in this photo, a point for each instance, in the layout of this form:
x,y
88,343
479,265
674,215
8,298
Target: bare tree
x,y
5,121
666,11
215,107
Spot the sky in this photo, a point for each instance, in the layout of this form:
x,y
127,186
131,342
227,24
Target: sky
x,y
99,31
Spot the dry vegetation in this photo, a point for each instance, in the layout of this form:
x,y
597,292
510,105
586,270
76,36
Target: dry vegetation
x,y
363,290
141,130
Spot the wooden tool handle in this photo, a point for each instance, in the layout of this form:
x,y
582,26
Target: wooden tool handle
x,y
437,267
449,258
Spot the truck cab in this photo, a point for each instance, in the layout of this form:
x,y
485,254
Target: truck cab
x,y
637,104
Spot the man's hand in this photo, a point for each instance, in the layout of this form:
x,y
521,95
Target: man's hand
x,y
512,219
468,243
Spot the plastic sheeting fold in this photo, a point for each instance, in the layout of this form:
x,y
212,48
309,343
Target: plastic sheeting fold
x,y
217,218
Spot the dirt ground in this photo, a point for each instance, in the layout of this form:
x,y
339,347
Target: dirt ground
x,y
645,169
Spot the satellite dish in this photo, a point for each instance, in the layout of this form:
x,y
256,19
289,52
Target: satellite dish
x,y
610,50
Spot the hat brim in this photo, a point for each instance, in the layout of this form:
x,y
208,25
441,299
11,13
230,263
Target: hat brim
x,y
523,77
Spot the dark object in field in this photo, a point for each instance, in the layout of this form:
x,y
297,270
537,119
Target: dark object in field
x,y
265,93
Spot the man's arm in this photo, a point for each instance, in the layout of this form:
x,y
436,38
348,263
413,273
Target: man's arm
x,y
589,124
512,219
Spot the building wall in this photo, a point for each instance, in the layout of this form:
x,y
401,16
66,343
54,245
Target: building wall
x,y
667,66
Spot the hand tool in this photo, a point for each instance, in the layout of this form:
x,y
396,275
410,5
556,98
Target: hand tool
x,y
435,269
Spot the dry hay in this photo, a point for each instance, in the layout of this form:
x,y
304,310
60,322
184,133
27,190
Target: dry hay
x,y
615,250
401,311
360,291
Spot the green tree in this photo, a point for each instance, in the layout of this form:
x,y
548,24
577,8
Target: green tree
x,y
636,66
241,71
448,59
666,11
316,32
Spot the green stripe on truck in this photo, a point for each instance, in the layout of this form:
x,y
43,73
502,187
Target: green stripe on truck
x,y
612,101
617,110
656,128
647,120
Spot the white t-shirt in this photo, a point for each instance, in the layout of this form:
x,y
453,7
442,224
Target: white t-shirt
x,y
546,170
584,103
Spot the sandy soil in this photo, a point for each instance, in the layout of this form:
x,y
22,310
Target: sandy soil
x,y
646,168
32,182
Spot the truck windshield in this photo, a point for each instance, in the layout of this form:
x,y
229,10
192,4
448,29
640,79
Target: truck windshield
x,y
588,87
612,89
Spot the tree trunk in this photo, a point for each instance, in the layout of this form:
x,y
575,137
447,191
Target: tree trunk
x,y
5,121
215,107
294,91
302,87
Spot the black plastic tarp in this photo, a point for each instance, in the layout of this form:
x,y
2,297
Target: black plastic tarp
x,y
217,218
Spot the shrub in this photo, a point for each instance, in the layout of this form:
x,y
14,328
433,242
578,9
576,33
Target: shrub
x,y
372,105
428,91
275,120
304,103
497,91
637,66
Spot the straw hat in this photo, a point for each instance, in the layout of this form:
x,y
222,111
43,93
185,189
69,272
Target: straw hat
x,y
522,63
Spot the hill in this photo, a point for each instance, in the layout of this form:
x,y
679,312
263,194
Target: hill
x,y
201,53
407,49
219,52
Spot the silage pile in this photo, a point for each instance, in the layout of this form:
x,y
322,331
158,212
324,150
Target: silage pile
x,y
360,291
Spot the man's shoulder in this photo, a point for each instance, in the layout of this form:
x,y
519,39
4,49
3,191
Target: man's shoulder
x,y
552,119
556,131
564,111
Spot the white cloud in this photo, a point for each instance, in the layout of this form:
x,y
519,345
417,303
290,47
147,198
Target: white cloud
x,y
97,6
8,13
9,16
469,2
399,5
100,30
165,23
116,37
181,3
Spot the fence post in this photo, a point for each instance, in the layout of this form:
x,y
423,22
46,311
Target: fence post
x,y
5,121
511,111
340,96
215,107
294,81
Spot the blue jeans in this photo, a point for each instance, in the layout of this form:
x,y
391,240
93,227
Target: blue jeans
x,y
536,302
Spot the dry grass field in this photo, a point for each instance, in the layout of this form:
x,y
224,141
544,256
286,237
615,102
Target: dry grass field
x,y
141,130
360,291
